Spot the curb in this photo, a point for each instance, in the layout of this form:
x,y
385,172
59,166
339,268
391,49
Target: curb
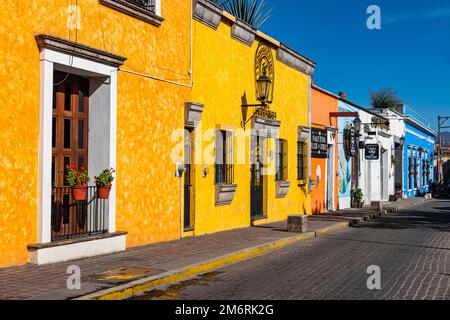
x,y
142,285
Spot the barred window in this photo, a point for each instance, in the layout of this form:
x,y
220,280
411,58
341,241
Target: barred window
x,y
301,160
281,173
224,157
148,5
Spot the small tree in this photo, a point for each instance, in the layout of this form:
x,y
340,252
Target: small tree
x,y
385,98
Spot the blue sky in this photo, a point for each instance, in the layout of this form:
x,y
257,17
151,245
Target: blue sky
x,y
411,53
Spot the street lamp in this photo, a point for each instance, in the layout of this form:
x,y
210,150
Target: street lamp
x,y
263,86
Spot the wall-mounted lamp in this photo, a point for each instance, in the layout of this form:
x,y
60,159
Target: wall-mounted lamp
x,y
205,171
179,169
263,85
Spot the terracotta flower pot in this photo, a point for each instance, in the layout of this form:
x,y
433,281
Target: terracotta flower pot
x,y
79,192
103,192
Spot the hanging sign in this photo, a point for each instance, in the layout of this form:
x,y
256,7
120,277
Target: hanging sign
x,y
319,143
351,148
372,152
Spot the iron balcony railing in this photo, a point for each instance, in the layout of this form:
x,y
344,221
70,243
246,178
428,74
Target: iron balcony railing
x,y
72,219
148,5
224,174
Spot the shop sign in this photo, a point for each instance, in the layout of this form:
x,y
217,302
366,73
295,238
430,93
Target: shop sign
x,y
372,152
319,143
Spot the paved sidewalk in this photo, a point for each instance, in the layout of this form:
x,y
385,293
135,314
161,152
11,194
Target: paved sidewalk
x,y
355,216
152,261
49,281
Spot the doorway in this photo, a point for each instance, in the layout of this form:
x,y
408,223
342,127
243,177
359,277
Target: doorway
x,y
330,179
70,129
189,180
258,149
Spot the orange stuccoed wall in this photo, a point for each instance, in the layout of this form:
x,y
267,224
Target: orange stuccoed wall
x,y
322,104
148,194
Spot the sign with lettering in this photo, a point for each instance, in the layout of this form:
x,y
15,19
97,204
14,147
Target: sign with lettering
x,y
319,143
351,147
372,152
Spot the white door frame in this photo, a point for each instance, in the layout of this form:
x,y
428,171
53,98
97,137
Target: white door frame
x,y
49,59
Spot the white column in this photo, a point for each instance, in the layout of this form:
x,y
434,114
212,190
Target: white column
x,y
45,151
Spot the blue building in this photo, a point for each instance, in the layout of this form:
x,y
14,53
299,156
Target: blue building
x,y
418,154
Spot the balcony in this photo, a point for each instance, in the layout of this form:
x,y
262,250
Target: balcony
x,y
76,219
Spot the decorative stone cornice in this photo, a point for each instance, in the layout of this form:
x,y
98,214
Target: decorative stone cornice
x,y
193,114
243,32
265,127
295,60
134,11
304,133
45,41
207,13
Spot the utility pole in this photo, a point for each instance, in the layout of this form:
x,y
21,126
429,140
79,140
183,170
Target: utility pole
x,y
441,121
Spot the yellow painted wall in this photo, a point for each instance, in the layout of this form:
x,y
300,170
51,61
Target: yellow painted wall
x,y
223,73
148,201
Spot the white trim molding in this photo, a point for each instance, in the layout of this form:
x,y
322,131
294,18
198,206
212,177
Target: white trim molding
x,y
51,60
41,255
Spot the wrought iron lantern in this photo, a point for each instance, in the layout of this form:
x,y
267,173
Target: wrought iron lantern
x,y
263,85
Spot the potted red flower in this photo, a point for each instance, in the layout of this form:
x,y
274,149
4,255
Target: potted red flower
x,y
77,180
103,182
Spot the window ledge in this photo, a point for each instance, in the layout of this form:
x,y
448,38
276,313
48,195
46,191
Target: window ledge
x,y
225,194
282,188
134,11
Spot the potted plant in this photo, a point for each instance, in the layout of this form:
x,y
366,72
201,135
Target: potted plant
x,y
357,198
77,180
103,182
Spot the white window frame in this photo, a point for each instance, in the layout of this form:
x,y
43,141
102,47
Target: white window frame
x,y
48,59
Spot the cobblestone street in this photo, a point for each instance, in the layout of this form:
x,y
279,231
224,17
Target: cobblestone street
x,y
411,248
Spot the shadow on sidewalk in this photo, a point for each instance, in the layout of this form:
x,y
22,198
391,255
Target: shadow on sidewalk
x,y
437,217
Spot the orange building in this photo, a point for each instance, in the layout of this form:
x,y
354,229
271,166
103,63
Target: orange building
x,y
99,84
324,151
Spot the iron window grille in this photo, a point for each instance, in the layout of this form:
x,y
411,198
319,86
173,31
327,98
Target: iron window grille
x,y
224,167
301,161
281,160
148,5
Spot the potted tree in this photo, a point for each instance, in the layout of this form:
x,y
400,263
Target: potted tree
x,y
357,198
103,182
77,180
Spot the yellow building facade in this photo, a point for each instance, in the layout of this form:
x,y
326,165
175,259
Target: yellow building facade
x,y
146,90
228,58
138,64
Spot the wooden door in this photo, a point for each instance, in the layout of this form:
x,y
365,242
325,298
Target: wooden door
x,y
257,178
69,147
70,124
